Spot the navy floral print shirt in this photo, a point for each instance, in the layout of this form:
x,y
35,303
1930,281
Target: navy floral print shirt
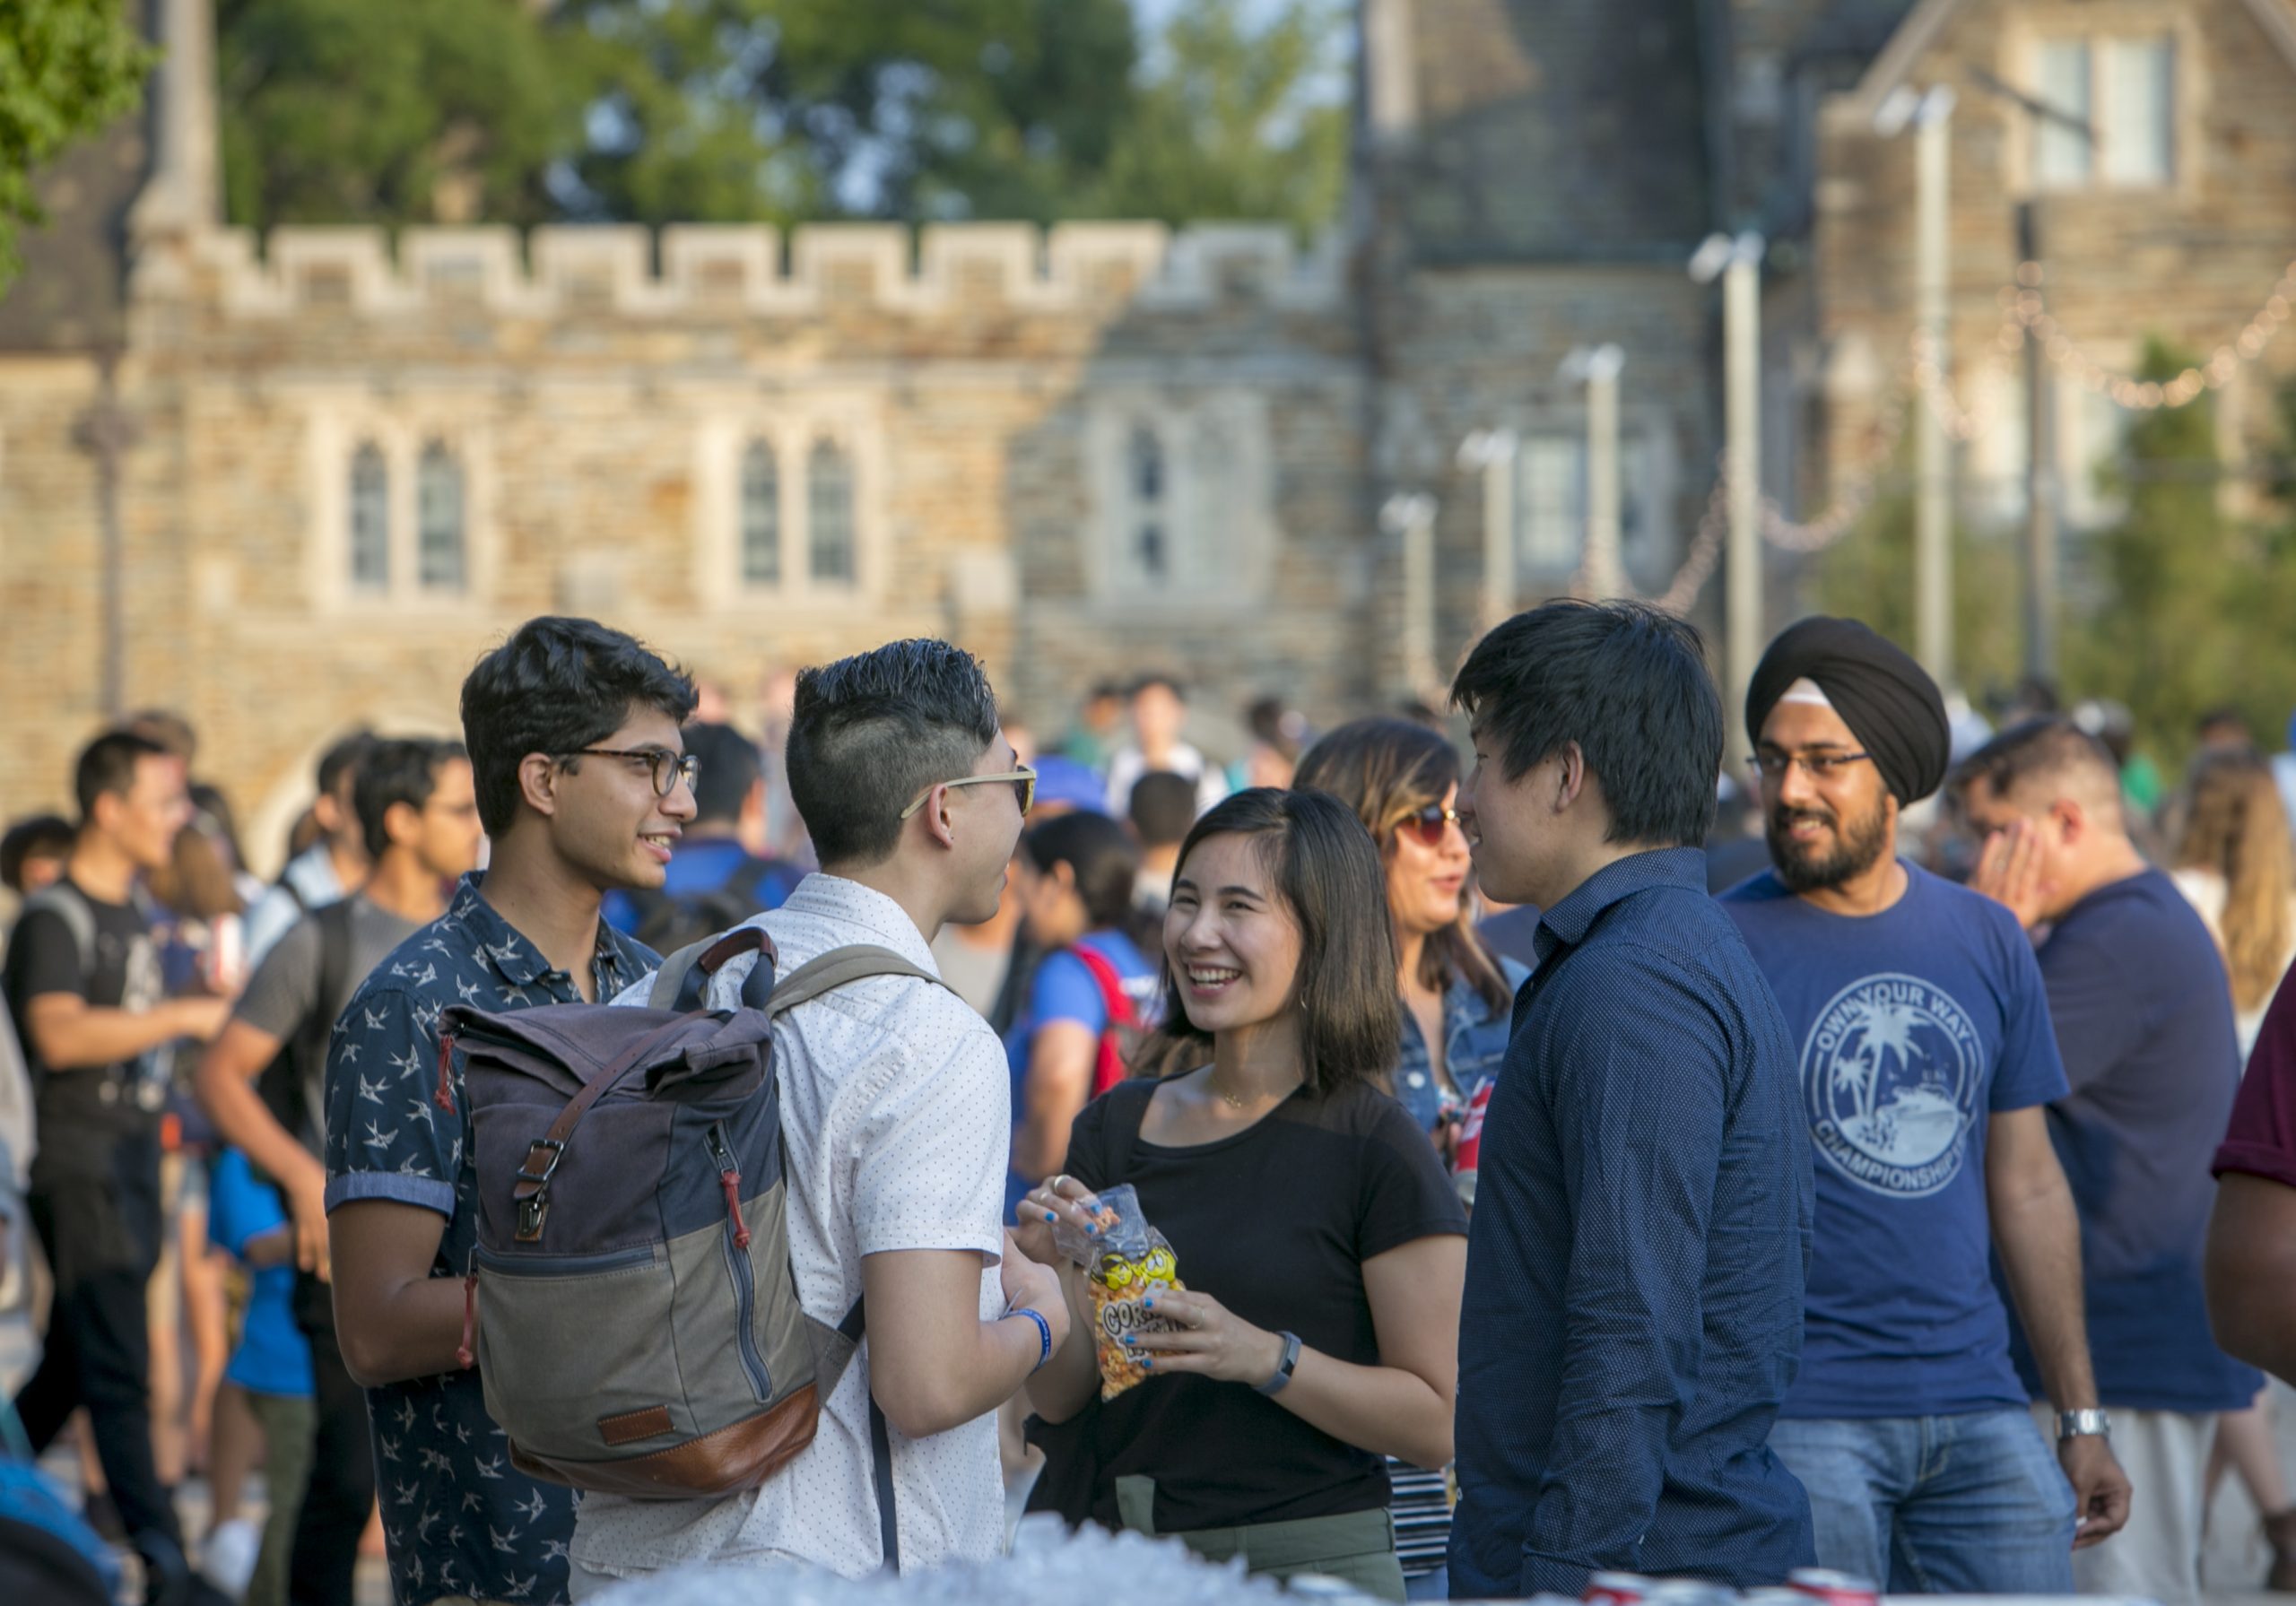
x,y
457,1517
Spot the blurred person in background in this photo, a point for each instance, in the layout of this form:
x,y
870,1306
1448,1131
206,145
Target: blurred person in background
x,y
1019,733
2234,862
1159,714
262,1084
714,882
1094,991
1926,1065
1402,780
1092,738
1161,811
2224,730
331,866
34,852
1278,734
262,1410
2143,1011
82,984
19,1141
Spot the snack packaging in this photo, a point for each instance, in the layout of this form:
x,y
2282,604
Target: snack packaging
x,y
1126,1262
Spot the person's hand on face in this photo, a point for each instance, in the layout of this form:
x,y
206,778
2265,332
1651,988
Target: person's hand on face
x,y
2012,870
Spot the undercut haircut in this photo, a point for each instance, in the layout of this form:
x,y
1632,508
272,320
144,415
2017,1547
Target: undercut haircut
x,y
556,686
870,733
399,770
1326,871
729,767
2051,749
1628,683
106,769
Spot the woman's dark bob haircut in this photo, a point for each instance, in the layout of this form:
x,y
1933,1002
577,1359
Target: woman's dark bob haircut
x,y
1326,873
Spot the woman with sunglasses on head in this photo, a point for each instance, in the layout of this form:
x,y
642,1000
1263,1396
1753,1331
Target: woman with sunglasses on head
x,y
1321,1248
1402,779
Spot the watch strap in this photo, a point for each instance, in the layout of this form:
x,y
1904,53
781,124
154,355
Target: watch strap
x,y
1276,1384
2083,1424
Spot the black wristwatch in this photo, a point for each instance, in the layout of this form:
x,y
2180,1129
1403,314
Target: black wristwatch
x,y
1275,1385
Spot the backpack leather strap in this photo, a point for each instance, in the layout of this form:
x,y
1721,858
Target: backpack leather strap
x,y
531,1191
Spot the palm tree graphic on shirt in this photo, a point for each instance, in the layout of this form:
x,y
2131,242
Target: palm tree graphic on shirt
x,y
1901,1110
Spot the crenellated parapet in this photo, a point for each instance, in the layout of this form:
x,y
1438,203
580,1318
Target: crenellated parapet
x,y
945,269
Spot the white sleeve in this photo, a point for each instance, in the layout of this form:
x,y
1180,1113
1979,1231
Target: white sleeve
x,y
934,1149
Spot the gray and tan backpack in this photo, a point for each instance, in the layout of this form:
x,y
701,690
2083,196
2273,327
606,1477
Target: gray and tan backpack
x,y
637,1329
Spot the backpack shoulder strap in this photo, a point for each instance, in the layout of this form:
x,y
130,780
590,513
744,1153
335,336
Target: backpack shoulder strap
x,y
1113,997
839,968
683,979
69,905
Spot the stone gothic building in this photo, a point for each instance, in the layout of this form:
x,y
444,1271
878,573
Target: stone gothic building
x,y
291,484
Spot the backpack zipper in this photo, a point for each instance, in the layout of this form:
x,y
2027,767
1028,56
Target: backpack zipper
x,y
737,1263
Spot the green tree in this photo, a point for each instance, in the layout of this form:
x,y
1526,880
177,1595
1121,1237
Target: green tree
x,y
67,67
729,109
1868,574
391,111
1235,121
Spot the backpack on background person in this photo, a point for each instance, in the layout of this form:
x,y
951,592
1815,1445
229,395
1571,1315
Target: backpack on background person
x,y
1124,1032
668,921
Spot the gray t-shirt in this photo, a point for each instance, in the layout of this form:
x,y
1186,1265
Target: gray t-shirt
x,y
284,994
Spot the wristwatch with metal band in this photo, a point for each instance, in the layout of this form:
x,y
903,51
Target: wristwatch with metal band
x,y
2083,1424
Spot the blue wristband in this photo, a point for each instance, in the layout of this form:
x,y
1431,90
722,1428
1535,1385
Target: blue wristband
x,y
1044,1334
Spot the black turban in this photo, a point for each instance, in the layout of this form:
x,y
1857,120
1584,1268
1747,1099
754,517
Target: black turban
x,y
1888,701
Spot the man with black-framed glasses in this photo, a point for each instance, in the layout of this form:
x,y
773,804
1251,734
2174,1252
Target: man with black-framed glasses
x,y
1927,1060
583,786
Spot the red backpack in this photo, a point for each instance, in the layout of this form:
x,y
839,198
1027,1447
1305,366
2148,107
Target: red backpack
x,y
1125,1028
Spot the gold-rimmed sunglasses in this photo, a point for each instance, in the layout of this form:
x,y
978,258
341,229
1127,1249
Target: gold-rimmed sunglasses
x,y
1025,787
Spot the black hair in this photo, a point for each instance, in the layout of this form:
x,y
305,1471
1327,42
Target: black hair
x,y
1628,683
555,686
396,770
729,767
1327,872
1098,855
1387,770
2051,745
1162,807
341,755
1158,678
106,769
37,837
869,733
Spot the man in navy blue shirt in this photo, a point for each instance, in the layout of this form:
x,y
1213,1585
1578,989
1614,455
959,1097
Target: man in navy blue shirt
x,y
2143,1017
1925,1060
1634,1308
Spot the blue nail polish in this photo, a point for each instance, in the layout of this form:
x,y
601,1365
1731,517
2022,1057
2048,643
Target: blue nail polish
x,y
1127,1341
1051,1217
1091,1230
1148,1360
1150,1304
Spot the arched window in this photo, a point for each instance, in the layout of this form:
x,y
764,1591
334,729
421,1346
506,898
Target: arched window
x,y
829,514
1150,540
760,516
439,519
370,519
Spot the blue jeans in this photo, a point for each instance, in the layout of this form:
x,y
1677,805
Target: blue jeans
x,y
1972,1505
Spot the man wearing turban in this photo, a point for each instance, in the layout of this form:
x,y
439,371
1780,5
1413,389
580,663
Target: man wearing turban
x,y
1925,1061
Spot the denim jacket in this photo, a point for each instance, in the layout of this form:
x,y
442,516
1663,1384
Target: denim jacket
x,y
1474,1041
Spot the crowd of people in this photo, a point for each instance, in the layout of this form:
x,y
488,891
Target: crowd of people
x,y
1561,1162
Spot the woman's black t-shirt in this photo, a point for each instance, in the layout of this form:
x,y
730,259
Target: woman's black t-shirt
x,y
1274,1223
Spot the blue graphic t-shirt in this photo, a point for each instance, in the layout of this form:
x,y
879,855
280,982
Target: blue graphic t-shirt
x,y
1064,989
1914,1026
458,1518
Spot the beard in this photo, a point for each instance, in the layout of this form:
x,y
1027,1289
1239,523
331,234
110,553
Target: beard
x,y
1858,845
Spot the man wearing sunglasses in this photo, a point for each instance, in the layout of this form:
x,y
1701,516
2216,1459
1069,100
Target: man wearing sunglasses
x,y
583,786
896,1110
1926,1061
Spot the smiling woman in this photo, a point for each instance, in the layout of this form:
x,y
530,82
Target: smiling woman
x,y
1322,1247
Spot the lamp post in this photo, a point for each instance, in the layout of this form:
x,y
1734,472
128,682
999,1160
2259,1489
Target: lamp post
x,y
1930,116
1493,453
1738,263
1597,367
